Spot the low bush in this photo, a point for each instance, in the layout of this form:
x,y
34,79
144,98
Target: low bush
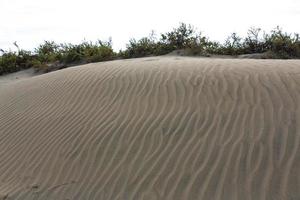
x,y
50,55
283,45
87,52
254,42
181,37
8,62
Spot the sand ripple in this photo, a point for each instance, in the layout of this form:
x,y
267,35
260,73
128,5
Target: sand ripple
x,y
154,129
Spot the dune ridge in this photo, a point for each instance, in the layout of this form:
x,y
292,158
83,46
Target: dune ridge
x,y
154,128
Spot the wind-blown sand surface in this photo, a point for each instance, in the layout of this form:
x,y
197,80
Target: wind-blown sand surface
x,y
16,76
154,128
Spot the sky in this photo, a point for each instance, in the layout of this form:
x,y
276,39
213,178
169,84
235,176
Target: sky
x,y
30,22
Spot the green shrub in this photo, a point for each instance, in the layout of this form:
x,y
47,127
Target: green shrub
x,y
233,45
181,37
87,52
8,62
140,48
161,48
254,42
15,61
100,51
48,52
71,53
25,59
51,56
283,45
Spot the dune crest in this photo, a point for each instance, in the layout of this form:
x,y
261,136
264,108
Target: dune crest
x,y
154,129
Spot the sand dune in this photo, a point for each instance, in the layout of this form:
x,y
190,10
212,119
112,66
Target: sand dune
x,y
17,76
162,128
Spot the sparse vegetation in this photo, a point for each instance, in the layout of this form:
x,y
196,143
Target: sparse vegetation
x,y
50,56
86,52
277,44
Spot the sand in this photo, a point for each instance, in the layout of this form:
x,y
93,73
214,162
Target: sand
x,y
163,128
17,76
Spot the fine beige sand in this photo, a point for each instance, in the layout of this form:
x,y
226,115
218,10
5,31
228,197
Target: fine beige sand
x,y
16,76
163,128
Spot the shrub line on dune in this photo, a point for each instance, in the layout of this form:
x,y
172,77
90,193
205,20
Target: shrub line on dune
x,y
51,56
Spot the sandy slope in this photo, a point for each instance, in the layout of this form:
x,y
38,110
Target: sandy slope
x,y
17,76
154,128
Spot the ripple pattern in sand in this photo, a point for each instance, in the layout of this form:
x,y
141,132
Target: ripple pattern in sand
x,y
163,129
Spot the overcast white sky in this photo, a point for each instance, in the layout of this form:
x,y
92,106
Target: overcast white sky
x,y
29,22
